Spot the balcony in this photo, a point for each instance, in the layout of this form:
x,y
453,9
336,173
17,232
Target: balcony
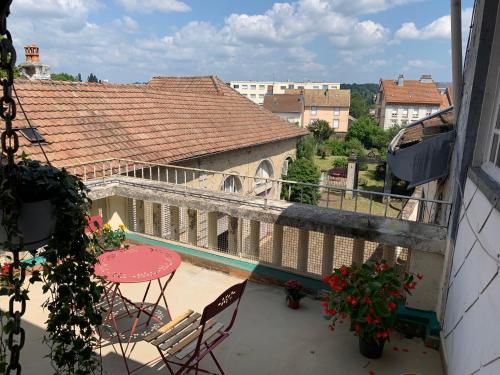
x,y
268,338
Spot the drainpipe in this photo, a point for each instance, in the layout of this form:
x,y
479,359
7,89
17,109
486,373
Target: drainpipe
x,y
456,52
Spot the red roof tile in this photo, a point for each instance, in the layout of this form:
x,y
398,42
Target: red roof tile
x,y
412,92
166,121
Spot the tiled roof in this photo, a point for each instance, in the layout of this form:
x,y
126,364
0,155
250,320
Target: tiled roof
x,y
447,98
327,98
283,103
412,92
83,122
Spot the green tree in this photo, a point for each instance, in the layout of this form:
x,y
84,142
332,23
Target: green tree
x,y
359,106
354,146
320,130
366,130
305,171
367,91
305,148
17,73
79,77
63,77
92,78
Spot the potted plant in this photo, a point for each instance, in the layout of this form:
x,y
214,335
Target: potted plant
x,y
294,293
107,239
37,184
369,295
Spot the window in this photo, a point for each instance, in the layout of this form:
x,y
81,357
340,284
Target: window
x,y
428,111
283,87
244,87
492,164
394,122
315,87
300,87
232,184
333,87
336,111
253,87
32,135
286,164
245,95
314,110
335,123
261,95
291,87
405,112
253,95
394,112
262,87
404,122
236,86
325,87
415,113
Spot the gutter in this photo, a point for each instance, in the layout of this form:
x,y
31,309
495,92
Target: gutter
x,y
456,52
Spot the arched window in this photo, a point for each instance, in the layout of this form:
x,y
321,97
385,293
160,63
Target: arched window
x,y
232,184
265,170
286,164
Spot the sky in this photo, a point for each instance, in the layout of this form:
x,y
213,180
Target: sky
x,y
318,40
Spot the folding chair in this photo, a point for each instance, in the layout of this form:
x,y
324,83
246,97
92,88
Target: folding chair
x,y
188,338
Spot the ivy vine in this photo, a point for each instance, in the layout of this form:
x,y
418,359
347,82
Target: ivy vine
x,y
68,271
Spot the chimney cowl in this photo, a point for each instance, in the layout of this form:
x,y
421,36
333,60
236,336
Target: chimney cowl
x,y
401,80
32,53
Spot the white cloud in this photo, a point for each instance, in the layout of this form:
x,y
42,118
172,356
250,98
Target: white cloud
x,y
439,28
358,7
149,6
127,23
365,35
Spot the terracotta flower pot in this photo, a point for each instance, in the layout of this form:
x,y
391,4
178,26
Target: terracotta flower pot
x,y
292,303
370,348
36,222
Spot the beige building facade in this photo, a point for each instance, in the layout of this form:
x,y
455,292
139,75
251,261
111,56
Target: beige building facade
x,y
257,90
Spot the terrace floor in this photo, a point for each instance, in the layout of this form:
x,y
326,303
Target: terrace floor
x,y
268,337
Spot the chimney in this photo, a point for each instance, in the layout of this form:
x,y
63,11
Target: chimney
x,y
32,53
401,80
426,78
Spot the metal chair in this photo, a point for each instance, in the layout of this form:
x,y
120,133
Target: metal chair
x,y
188,338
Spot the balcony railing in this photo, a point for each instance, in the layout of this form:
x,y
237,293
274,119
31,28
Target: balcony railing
x,y
269,189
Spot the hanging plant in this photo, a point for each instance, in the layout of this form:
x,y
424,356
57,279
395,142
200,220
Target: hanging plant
x,y
68,270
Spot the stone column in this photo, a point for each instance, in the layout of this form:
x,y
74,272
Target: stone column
x,y
327,259
192,226
212,230
148,218
232,235
174,223
163,220
277,244
358,251
388,179
389,254
351,175
303,250
254,239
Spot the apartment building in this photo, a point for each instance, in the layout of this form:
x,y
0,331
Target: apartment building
x,y
401,102
257,90
331,106
287,106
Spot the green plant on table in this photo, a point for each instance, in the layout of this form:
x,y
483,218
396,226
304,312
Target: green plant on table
x,y
369,295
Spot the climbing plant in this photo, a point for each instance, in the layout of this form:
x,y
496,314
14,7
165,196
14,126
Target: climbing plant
x,y
67,272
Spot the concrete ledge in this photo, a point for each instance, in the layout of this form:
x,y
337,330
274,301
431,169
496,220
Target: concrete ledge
x,y
413,235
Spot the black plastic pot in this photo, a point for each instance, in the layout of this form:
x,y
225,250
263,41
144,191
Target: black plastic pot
x,y
371,348
36,222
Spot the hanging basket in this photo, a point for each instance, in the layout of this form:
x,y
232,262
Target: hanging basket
x,y
36,223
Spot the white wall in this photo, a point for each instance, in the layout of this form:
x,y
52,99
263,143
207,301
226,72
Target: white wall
x,y
471,328
422,110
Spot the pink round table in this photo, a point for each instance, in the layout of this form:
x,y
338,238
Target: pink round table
x,y
137,264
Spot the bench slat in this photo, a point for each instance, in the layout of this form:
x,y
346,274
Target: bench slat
x,y
178,328
188,339
168,326
206,336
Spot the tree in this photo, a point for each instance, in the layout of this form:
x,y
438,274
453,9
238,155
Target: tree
x,y
305,148
79,77
305,171
367,131
359,106
92,78
63,77
320,130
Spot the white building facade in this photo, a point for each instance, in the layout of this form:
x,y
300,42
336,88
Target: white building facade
x,y
394,114
257,90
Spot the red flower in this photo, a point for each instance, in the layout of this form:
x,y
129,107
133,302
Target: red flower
x,y
369,319
372,372
367,300
394,293
420,276
344,271
357,328
391,306
350,299
331,327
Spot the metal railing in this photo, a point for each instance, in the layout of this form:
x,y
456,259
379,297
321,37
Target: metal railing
x,y
323,195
